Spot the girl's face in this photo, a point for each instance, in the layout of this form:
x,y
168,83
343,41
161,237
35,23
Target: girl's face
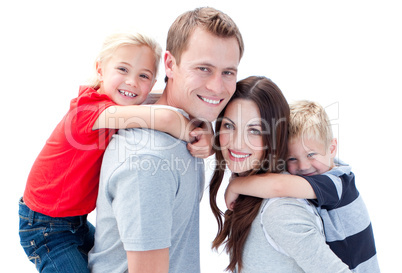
x,y
241,136
129,75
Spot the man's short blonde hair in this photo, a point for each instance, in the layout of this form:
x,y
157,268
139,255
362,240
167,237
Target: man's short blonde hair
x,y
207,18
308,120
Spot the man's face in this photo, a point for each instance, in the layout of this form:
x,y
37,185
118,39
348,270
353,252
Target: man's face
x,y
205,79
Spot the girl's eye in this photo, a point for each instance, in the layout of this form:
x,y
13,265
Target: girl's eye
x,y
122,69
290,159
145,76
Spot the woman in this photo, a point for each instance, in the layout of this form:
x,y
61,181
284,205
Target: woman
x,y
271,235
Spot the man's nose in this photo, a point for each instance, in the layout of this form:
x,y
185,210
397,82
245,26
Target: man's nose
x,y
215,84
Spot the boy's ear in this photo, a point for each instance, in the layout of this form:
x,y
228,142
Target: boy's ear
x,y
333,147
170,62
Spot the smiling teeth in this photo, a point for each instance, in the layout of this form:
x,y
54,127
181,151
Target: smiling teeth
x,y
211,101
128,94
239,156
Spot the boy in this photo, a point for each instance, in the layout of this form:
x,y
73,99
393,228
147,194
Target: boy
x,y
316,175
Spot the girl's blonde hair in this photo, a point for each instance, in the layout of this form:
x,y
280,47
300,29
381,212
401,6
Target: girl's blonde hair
x,y
117,40
308,120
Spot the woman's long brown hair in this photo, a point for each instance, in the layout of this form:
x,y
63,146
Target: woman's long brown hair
x,y
274,110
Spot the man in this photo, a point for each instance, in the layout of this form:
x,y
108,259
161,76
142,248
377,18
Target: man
x,y
150,187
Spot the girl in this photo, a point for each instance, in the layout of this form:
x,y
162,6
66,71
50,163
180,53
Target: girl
x,y
271,235
63,183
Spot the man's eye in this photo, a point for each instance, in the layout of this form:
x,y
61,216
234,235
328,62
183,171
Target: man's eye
x,y
228,73
204,69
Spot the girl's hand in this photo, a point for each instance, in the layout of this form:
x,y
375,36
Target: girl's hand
x,y
203,137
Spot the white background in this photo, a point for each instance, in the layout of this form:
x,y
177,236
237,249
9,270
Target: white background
x,y
344,54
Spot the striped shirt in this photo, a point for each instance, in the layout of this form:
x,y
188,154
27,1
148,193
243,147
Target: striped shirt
x,y
347,224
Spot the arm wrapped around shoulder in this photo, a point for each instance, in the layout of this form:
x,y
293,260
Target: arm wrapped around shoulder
x,y
296,229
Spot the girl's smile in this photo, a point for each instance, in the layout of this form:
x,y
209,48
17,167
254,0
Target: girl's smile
x,y
129,75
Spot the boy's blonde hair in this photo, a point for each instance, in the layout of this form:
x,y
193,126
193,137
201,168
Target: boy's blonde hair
x,y
309,120
117,40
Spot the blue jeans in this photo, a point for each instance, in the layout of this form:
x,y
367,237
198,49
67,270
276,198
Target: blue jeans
x,y
56,244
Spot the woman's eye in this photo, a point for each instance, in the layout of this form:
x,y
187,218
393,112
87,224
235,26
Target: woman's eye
x,y
228,126
255,132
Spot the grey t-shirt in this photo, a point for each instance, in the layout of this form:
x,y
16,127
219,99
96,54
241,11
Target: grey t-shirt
x,y
149,194
287,236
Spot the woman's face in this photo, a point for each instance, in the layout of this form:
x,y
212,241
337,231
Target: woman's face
x,y
241,136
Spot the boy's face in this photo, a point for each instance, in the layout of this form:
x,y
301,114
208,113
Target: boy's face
x,y
129,75
205,79
309,156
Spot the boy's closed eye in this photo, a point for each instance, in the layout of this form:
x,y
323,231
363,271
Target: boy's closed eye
x,y
311,155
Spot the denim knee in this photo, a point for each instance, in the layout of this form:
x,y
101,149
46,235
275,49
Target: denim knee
x,y
55,244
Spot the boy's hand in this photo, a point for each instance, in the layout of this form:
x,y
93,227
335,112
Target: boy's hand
x,y
202,145
230,197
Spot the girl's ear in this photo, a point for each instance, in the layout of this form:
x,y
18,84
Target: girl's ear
x,y
170,63
99,71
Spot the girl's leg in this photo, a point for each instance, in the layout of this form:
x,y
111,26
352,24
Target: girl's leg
x,y
55,244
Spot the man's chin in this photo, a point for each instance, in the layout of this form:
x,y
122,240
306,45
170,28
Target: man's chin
x,y
205,118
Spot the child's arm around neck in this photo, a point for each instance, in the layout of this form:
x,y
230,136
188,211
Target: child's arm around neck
x,y
162,119
268,185
145,116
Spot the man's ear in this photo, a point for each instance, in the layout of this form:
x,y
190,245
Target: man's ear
x,y
333,147
170,63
